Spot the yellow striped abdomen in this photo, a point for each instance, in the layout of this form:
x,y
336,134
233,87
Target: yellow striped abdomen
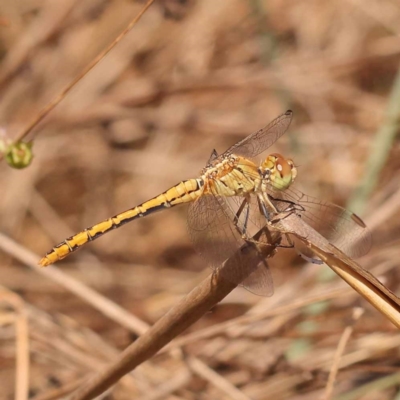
x,y
183,192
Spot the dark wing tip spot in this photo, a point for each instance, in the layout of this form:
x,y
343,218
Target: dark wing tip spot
x,y
358,220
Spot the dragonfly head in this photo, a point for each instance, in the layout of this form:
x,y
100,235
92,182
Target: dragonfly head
x,y
281,172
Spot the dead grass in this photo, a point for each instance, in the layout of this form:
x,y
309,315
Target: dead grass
x,y
190,77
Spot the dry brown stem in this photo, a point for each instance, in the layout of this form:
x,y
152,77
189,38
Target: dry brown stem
x,y
356,276
189,310
357,313
53,103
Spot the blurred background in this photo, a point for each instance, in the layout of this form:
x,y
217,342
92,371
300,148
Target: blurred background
x,y
190,77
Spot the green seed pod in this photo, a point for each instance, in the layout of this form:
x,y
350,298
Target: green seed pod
x,y
19,155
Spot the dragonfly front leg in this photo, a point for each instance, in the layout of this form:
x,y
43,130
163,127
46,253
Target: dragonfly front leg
x,y
263,209
273,215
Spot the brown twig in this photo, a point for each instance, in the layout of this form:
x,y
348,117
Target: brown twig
x,y
98,301
189,310
104,305
53,103
222,327
357,313
207,373
356,276
363,282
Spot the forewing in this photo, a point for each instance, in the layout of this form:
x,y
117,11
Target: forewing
x,y
259,141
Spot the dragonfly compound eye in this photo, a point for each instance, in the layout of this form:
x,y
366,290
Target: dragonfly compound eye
x,y
283,171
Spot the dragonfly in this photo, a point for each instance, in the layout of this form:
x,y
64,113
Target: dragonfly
x,y
235,196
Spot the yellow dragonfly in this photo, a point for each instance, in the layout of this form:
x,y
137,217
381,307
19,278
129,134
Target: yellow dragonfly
x,y
233,197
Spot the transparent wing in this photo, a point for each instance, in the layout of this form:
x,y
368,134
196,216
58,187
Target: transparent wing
x,y
213,156
339,226
216,238
259,141
213,234
260,281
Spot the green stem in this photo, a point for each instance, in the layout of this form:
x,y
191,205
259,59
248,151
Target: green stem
x,y
379,151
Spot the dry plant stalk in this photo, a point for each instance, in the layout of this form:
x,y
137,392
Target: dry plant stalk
x,y
53,103
357,313
374,291
19,318
189,310
215,288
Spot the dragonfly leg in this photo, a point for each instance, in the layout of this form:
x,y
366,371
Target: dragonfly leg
x,y
242,230
272,217
291,244
245,206
269,210
263,209
282,215
266,201
270,213
292,205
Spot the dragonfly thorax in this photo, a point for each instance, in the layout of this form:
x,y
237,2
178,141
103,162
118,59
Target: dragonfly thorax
x,y
230,175
278,171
